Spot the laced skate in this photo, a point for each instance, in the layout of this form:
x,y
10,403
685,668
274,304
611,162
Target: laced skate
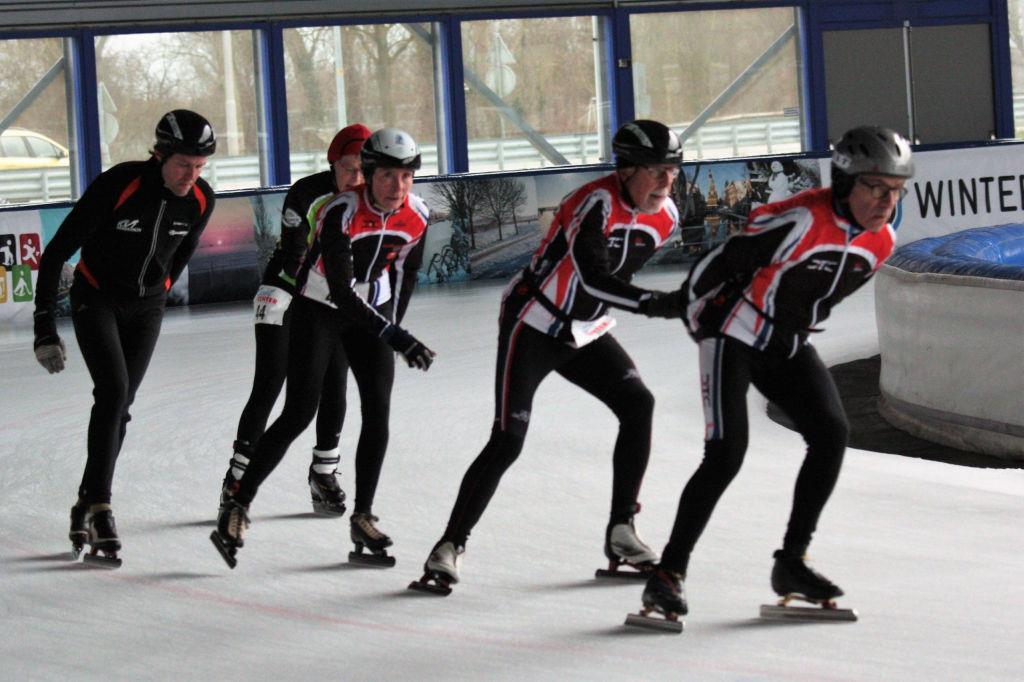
x,y
231,524
794,580
327,496
441,570
623,547
103,541
663,594
364,533
79,532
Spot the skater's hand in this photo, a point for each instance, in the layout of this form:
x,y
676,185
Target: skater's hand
x,y
409,347
51,354
667,304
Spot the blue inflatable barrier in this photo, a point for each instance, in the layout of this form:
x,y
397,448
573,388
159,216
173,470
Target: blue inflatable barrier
x,y
993,252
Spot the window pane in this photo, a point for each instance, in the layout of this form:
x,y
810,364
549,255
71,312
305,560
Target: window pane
x,y
142,76
534,96
740,68
380,75
33,83
1015,10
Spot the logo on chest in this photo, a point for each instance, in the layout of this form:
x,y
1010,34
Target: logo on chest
x,y
128,225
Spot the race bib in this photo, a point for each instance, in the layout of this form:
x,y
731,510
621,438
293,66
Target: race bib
x,y
583,332
270,304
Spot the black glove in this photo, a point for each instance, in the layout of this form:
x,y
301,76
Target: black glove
x,y
415,353
668,304
51,354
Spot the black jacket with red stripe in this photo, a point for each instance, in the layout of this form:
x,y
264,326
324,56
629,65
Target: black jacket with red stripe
x,y
136,236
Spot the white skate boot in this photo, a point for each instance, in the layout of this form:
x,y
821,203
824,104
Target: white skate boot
x,y
623,547
441,570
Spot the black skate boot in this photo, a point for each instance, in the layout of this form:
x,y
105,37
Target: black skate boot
x,y
239,462
103,541
623,547
231,524
441,569
79,533
793,579
327,495
365,533
663,594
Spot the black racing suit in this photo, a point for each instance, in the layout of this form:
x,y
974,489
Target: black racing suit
x,y
298,221
356,280
752,303
595,245
136,238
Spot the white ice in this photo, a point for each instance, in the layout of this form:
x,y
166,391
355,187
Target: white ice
x,y
931,554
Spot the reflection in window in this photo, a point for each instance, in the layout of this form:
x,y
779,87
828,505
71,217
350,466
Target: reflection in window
x,y
34,160
1015,10
142,76
728,80
533,94
380,75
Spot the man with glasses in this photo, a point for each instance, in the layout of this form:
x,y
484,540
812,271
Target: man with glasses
x,y
553,319
751,304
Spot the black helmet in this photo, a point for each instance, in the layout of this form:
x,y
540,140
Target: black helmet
x,y
389,148
642,142
184,132
869,149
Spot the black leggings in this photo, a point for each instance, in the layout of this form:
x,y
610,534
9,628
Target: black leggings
x,y
271,370
601,368
322,344
803,388
117,338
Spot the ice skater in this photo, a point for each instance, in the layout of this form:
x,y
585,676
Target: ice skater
x,y
137,225
353,289
271,311
752,304
554,319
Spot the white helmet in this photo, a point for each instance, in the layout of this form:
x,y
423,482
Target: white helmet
x,y
390,148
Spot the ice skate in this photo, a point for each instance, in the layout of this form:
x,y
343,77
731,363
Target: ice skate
x,y
365,534
79,532
231,524
663,594
227,490
239,462
103,541
628,556
794,580
327,496
441,570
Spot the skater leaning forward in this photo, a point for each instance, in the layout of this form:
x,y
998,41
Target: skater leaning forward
x,y
353,289
553,319
751,305
271,308
137,225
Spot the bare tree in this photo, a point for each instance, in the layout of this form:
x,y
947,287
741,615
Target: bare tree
x,y
501,198
463,199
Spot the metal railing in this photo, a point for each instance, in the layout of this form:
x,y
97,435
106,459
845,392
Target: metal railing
x,y
746,137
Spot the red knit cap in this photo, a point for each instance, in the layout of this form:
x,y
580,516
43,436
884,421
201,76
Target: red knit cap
x,y
349,140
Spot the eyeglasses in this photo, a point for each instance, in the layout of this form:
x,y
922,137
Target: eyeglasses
x,y
879,190
660,173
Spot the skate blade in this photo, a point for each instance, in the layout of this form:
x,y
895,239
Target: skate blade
x,y
807,613
620,574
370,559
102,561
666,624
223,550
321,509
431,585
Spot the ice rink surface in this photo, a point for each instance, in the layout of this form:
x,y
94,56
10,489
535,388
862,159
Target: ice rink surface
x,y
930,554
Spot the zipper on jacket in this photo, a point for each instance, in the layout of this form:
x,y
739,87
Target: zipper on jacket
x,y
152,247
835,280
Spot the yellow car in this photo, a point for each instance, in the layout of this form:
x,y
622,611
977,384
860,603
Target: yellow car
x,y
21,148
